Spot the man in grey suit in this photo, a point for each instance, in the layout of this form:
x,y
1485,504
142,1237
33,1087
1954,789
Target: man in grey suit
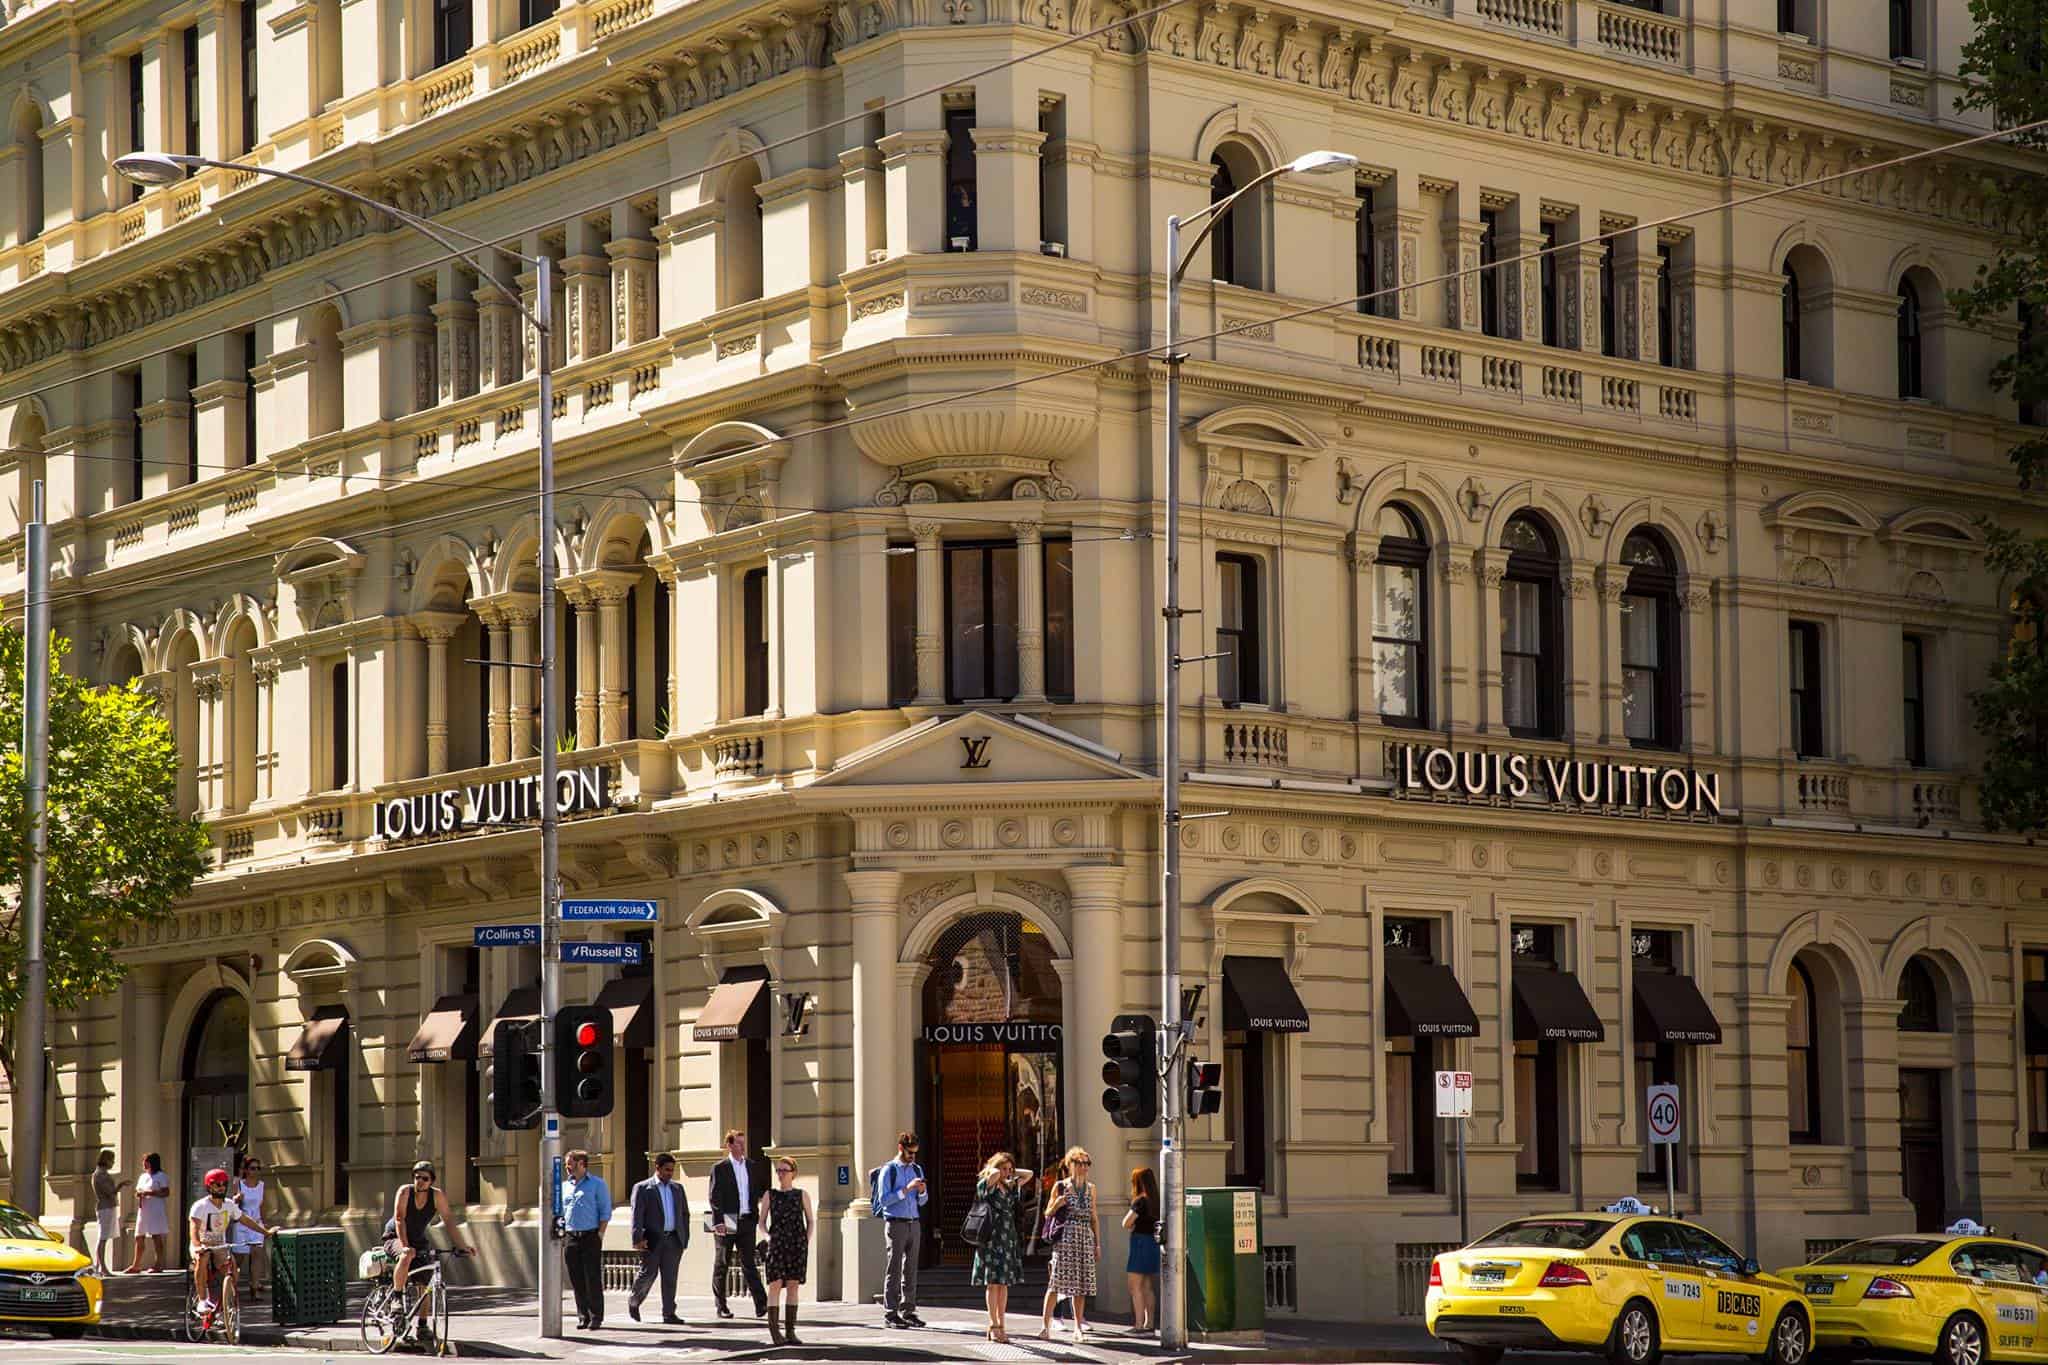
x,y
661,1230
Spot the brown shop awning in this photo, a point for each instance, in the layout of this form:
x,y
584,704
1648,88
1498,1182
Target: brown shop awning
x,y
522,1006
1670,1009
323,1045
1551,1006
631,1001
738,1007
448,1033
1258,997
1424,1000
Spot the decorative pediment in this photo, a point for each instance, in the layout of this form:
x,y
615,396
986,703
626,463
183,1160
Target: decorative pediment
x,y
1252,459
320,573
979,748
736,469
1818,537
1929,550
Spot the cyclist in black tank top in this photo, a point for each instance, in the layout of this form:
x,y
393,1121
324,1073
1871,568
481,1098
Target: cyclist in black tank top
x,y
413,1210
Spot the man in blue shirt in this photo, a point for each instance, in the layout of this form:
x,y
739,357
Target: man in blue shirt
x,y
661,1232
586,1208
899,1200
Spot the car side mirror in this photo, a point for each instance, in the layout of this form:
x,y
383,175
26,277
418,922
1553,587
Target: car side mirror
x,y
1750,1266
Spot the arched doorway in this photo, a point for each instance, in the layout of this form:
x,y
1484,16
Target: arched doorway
x,y
216,1076
988,1061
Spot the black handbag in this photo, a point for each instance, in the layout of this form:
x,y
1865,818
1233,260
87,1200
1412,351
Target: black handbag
x,y
974,1228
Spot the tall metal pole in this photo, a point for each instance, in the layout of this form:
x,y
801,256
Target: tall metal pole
x,y
29,1074
550,966
1173,1315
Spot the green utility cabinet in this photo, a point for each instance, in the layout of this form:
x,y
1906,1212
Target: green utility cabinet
x,y
308,1281
1226,1266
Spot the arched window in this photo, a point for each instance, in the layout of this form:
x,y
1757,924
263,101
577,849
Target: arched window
x,y
649,619
1530,657
1237,245
1910,366
238,780
182,710
1802,1057
28,195
1649,642
741,235
1400,616
1919,997
1791,341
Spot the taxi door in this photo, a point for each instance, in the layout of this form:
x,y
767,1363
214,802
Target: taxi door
x,y
1674,1283
2008,1301
1732,1312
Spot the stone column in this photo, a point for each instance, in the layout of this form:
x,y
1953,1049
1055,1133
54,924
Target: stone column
x,y
773,597
437,628
589,325
263,672
209,688
1397,227
612,694
497,330
1462,229
583,687
1098,994
914,171
519,726
866,205
633,257
147,1125
1521,286
1635,287
455,337
1030,611
1006,188
878,1053
1610,582
1578,279
1581,720
1696,668
931,609
671,683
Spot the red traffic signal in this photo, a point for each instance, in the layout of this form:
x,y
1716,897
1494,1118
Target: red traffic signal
x,y
583,1068
586,1034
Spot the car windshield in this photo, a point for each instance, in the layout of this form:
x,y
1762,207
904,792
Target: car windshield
x,y
21,1228
1569,1234
1881,1251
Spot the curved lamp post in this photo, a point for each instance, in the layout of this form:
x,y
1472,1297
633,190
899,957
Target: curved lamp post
x,y
163,168
1175,1030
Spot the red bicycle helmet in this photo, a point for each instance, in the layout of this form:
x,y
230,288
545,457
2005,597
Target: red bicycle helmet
x,y
216,1176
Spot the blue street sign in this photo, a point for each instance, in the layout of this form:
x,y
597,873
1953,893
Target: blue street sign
x,y
558,1188
605,954
641,912
508,936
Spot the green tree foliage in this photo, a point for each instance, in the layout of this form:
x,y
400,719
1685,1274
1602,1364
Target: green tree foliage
x,y
2005,66
119,854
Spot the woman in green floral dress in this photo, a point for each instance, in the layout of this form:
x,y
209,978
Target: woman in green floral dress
x,y
999,1260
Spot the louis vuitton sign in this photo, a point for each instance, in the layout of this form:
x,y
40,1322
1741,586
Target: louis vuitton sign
x,y
507,801
1593,786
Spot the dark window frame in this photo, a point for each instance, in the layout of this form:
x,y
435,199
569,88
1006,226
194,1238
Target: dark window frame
x,y
1244,655
339,718
1056,594
1911,343
188,364
1546,274
454,30
137,459
1902,23
991,654
1666,331
1247,1075
1417,937
1364,244
1658,587
962,204
899,592
1803,1063
1807,699
2034,976
1489,273
1913,690
1791,327
754,628
532,12
1223,235
249,363
1610,344
138,117
189,56
1541,571
1919,997
1409,552
251,88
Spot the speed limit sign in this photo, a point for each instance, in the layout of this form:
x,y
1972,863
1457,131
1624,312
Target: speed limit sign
x,y
1662,1101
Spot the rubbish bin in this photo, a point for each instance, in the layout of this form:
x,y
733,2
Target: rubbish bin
x,y
308,1281
1226,1266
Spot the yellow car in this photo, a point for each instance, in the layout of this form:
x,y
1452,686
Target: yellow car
x,y
1956,1296
42,1280
1625,1284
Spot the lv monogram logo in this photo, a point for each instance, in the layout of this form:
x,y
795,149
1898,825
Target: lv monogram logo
x,y
232,1131
977,751
795,1005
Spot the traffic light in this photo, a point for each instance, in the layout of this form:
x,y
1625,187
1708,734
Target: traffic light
x,y
583,1062
1205,1088
1130,1071
515,1074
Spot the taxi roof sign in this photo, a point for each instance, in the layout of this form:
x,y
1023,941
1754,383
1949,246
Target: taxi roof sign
x,y
1965,1227
1628,1203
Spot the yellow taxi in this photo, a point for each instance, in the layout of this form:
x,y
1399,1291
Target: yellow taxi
x,y
1955,1296
42,1280
1623,1282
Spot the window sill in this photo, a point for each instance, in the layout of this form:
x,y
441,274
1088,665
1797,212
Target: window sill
x,y
1404,722
1909,63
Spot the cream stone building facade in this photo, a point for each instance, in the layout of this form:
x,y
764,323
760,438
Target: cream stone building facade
x,y
1594,633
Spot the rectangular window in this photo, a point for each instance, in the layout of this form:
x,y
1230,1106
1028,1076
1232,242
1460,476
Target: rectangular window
x,y
1489,272
1647,697
188,374
1913,683
532,12
132,382
981,622
249,451
754,641
1788,16
251,116
2035,970
1052,183
1904,24
451,30
1546,270
1239,674
900,572
1399,609
1538,1103
1526,687
568,669
190,43
1806,697
1246,1104
655,720
1802,1064
338,716
1610,344
138,119
960,186
1666,352
1411,1113
1365,232
1059,620
341,1116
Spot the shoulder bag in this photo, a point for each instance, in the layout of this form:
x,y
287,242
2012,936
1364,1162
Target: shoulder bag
x,y
1055,1224
974,1228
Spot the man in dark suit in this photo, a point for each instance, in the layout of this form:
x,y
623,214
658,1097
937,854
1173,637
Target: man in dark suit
x,y
661,1232
737,1184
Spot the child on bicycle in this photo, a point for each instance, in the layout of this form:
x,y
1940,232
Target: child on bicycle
x,y
212,1215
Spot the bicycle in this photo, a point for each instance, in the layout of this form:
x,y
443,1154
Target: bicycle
x,y
387,1318
224,1323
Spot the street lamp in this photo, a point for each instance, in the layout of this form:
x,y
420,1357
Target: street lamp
x,y
162,168
1173,1266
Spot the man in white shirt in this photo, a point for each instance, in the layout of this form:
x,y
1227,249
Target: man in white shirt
x,y
211,1216
737,1184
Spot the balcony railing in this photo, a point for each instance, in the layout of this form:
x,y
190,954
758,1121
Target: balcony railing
x,y
1545,18
1641,35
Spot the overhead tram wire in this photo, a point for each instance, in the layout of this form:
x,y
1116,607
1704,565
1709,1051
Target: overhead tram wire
x,y
1011,385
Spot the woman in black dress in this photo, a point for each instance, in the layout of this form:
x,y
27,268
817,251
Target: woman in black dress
x,y
785,1212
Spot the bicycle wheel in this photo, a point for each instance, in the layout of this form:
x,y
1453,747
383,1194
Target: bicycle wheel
x,y
229,1320
189,1329
380,1327
441,1346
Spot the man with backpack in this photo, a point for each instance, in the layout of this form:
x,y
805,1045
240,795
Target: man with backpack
x,y
897,1196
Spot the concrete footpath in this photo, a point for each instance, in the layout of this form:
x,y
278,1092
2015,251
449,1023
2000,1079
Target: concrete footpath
x,y
502,1324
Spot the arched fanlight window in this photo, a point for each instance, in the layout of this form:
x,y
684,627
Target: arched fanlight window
x,y
1400,618
1789,324
1920,998
1649,642
1530,624
1911,383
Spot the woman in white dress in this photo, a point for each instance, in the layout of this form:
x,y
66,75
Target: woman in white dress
x,y
152,1214
251,1248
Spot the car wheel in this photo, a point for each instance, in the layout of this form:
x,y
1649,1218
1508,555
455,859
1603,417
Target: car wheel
x,y
1791,1341
67,1331
1633,1341
1479,1355
1961,1343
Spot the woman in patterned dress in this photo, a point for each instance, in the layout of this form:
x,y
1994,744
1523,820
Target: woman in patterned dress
x,y
786,1213
998,1260
1079,1250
